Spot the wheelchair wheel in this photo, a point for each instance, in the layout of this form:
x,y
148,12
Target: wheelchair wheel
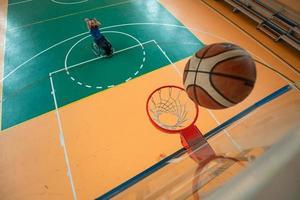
x,y
96,50
109,46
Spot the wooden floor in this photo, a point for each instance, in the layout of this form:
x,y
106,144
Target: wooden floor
x,y
32,161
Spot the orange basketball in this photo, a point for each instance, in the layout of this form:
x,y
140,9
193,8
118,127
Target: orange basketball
x,y
219,76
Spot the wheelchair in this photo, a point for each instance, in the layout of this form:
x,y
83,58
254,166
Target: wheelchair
x,y
103,48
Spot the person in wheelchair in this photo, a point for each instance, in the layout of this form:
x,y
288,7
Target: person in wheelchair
x,y
93,25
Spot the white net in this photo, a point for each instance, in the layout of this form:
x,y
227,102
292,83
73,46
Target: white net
x,y
171,109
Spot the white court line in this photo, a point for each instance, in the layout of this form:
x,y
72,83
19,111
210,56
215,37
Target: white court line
x,y
62,140
164,53
97,58
226,132
68,3
71,14
263,61
11,4
19,66
239,121
115,32
210,112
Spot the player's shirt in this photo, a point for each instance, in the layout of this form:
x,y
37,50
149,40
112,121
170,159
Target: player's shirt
x,y
95,32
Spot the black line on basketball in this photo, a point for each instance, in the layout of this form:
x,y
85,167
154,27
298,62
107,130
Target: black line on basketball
x,y
219,92
228,59
195,94
198,69
224,51
248,82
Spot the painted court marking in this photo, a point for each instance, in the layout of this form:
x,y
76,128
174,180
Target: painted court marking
x,y
69,3
62,141
20,2
71,14
38,54
54,1
101,86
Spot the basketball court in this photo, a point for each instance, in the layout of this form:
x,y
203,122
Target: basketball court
x,y
74,126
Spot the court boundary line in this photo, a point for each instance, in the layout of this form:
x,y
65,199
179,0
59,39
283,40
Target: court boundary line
x,y
167,57
239,148
62,140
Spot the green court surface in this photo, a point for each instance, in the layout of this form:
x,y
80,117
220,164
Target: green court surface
x,y
44,38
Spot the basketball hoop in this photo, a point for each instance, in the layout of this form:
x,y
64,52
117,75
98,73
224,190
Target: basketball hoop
x,y
171,111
